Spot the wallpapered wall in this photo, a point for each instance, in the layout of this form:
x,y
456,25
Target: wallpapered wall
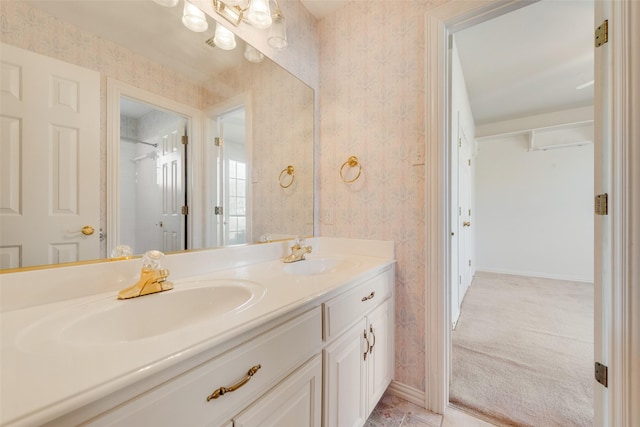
x,y
372,98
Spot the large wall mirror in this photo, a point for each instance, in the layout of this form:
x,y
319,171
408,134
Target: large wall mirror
x,y
120,126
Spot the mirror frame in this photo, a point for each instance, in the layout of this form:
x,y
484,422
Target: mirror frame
x,y
115,90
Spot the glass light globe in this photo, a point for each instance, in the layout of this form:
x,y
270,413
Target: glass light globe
x,y
193,18
224,38
259,14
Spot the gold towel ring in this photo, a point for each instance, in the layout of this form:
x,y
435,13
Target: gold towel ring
x,y
289,170
352,162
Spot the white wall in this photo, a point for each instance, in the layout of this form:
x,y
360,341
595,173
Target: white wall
x,y
534,209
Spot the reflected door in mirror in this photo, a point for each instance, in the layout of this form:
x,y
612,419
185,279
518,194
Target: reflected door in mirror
x,y
152,171
231,163
49,152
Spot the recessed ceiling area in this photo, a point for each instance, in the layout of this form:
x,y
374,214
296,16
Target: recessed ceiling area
x,y
529,61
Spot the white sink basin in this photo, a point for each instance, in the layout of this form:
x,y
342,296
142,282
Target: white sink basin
x,y
109,321
315,266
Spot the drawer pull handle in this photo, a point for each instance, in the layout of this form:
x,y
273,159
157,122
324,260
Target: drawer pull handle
x,y
374,339
223,390
368,297
368,345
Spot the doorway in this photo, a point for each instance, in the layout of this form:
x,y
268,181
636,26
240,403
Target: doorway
x,y
159,150
229,160
532,220
153,171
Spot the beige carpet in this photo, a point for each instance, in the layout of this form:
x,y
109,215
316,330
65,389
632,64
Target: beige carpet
x,y
523,351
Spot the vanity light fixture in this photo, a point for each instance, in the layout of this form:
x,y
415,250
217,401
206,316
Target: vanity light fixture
x,y
224,38
256,13
193,18
278,32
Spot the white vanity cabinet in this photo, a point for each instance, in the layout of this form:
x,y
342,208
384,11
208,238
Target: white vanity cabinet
x,y
275,364
297,401
358,359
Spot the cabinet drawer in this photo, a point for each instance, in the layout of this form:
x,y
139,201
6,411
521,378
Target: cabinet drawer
x,y
183,400
343,310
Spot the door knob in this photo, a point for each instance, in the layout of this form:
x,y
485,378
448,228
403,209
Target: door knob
x,y
87,230
466,224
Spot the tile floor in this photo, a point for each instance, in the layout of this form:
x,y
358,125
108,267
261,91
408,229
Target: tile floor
x,y
392,411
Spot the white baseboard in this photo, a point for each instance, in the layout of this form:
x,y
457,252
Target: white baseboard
x,y
535,274
407,393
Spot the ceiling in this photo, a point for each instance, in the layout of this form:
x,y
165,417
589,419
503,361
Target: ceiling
x,y
529,61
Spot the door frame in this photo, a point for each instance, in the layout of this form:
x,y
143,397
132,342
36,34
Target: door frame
x,y
211,116
614,404
194,185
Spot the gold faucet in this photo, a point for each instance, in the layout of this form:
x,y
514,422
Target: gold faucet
x,y
153,278
298,251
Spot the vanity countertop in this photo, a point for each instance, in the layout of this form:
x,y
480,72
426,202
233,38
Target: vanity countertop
x,y
44,378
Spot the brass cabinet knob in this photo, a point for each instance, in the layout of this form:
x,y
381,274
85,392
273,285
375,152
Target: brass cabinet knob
x,y
87,230
466,224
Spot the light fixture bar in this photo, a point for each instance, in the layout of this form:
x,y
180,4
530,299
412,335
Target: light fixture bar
x,y
233,14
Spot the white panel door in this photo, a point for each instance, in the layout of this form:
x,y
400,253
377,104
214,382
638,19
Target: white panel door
x,y
49,151
464,215
170,162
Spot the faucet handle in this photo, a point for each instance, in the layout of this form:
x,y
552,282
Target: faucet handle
x,y
153,260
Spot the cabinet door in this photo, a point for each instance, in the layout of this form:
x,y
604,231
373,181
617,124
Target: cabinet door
x,y
345,379
381,352
296,401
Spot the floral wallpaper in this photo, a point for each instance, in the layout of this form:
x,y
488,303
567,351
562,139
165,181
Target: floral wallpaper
x,y
372,98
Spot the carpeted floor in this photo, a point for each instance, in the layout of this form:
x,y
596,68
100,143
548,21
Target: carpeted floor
x,y
522,351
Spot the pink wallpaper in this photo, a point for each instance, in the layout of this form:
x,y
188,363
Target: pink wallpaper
x,y
372,98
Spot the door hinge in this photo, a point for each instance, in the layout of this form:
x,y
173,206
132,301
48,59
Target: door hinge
x,y
185,139
217,142
217,210
602,33
185,210
469,162
469,263
602,374
459,142
602,204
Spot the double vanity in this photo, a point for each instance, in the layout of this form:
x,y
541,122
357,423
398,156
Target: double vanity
x,y
242,339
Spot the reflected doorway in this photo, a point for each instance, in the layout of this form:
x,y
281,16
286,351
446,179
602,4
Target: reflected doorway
x,y
153,171
230,213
